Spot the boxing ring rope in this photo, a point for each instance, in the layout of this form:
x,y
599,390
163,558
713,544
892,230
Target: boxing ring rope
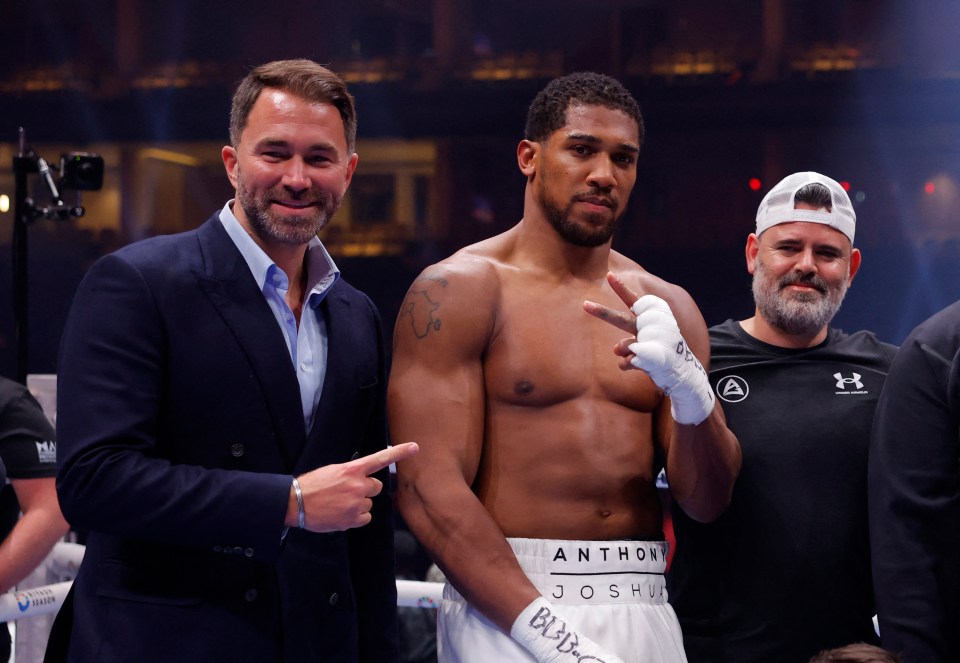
x,y
417,594
33,602
65,560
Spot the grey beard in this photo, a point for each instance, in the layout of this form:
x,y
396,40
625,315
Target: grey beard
x,y
799,313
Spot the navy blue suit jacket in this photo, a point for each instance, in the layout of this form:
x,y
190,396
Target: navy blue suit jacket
x,y
180,425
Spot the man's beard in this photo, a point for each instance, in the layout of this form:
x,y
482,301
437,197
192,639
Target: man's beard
x,y
577,234
289,229
796,312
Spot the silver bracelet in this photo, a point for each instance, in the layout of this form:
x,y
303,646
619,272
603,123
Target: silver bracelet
x,y
299,494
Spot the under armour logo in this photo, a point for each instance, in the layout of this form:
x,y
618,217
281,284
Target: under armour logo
x,y
842,382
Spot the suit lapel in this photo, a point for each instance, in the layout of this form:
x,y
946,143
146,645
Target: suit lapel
x,y
233,291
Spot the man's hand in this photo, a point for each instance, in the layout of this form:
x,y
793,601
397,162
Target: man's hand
x,y
659,350
624,320
339,497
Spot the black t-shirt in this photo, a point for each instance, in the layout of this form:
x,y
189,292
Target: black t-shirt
x,y
785,572
28,450
28,447
914,487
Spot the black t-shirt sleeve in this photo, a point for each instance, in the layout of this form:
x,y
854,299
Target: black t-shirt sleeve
x,y
28,447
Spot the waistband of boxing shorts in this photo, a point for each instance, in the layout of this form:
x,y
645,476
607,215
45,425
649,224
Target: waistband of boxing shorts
x,y
592,572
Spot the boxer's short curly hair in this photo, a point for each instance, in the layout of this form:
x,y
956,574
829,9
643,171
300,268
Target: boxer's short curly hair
x,y
548,111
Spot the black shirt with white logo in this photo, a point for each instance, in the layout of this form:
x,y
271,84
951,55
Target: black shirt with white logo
x,y
785,572
28,447
28,450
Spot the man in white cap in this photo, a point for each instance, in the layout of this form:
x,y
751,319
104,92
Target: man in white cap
x,y
785,572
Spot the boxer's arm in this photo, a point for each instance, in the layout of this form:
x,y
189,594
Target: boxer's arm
x,y
702,458
436,398
702,461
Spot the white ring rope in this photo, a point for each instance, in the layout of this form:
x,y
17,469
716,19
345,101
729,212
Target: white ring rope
x,y
416,594
65,559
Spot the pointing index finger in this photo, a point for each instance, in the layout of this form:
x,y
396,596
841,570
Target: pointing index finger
x,y
381,459
624,292
623,320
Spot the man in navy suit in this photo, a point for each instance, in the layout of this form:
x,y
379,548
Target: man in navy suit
x,y
221,417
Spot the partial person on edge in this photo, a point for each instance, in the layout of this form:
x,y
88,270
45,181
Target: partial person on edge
x,y
30,518
915,495
857,653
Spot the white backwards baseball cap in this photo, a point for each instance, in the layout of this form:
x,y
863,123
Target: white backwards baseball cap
x,y
777,206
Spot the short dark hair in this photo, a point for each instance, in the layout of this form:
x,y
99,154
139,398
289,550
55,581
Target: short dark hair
x,y
548,111
302,78
815,194
858,653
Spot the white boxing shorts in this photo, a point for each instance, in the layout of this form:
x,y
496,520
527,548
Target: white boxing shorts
x,y
613,592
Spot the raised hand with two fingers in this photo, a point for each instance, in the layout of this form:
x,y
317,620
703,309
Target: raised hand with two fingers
x,y
659,349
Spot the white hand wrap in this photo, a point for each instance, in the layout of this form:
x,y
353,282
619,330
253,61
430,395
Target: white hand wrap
x,y
546,635
661,353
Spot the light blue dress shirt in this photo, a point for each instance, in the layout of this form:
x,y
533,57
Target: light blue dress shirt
x,y
308,344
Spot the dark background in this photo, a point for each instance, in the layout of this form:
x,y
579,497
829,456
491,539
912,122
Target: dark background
x,y
865,91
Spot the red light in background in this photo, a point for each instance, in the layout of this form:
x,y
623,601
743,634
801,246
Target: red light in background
x,y
929,188
845,185
755,184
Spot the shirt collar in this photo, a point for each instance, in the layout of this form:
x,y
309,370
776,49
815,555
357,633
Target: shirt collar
x,y
322,271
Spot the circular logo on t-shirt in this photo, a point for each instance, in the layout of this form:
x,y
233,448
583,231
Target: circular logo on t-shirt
x,y
733,389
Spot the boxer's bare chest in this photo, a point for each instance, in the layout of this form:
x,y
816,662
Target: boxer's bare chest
x,y
546,350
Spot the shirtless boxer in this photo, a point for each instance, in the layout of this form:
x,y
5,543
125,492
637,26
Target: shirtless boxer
x,y
534,489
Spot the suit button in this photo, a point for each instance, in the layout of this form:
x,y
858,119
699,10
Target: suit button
x,y
248,552
238,550
334,599
218,549
250,595
237,450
